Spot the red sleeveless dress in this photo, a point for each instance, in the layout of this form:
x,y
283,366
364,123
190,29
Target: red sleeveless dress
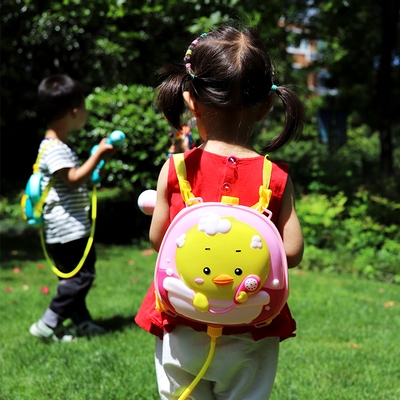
x,y
212,176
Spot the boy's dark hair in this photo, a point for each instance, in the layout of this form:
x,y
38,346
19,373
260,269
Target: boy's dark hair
x,y
228,70
58,94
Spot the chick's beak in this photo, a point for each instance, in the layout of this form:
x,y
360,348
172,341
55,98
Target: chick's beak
x,y
222,280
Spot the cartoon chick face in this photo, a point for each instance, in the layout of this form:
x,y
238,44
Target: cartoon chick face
x,y
214,257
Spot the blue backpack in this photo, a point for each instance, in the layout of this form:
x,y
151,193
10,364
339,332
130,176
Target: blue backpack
x,y
34,197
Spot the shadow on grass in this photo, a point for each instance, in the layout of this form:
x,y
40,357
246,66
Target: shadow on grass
x,y
117,323
24,247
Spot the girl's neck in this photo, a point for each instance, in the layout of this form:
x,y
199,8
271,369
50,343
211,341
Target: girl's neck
x,y
226,149
227,133
230,138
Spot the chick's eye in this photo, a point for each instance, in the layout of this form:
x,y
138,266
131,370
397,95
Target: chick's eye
x,y
238,271
207,271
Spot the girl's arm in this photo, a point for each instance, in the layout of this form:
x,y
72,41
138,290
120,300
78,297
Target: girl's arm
x,y
74,178
160,220
289,227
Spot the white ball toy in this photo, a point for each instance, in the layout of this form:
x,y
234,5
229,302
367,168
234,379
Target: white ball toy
x,y
147,201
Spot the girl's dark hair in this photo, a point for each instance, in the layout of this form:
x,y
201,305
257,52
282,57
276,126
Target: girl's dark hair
x,y
57,95
229,70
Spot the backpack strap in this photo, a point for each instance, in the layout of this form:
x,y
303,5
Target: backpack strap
x,y
37,209
264,191
36,165
184,185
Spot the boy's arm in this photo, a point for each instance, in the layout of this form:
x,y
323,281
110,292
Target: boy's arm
x,y
289,227
160,220
74,178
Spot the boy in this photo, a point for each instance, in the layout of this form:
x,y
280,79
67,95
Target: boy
x,y
66,220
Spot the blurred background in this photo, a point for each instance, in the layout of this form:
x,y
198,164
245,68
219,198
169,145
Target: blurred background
x,y
341,56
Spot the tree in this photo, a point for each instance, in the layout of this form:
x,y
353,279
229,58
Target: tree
x,y
362,52
102,43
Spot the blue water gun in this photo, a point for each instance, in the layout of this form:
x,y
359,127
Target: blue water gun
x,y
116,139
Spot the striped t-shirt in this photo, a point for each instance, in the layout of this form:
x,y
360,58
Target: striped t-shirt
x,y
66,212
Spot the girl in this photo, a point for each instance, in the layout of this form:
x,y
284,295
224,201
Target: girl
x,y
227,82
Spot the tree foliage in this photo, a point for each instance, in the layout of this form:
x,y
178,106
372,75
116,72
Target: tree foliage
x,y
361,50
105,43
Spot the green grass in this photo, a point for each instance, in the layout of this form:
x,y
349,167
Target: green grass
x,y
347,346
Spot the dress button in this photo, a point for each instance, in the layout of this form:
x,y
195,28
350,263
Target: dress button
x,y
232,160
226,187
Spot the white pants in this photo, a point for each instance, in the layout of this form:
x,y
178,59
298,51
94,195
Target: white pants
x,y
241,368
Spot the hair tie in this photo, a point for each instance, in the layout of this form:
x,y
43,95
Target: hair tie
x,y
274,87
188,54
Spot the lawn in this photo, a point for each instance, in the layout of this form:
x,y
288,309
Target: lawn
x,y
347,346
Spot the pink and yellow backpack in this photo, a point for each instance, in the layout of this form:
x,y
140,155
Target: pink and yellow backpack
x,y
221,263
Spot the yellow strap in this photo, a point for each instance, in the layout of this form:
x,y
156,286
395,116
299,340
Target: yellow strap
x,y
36,165
38,207
88,245
184,185
23,204
265,192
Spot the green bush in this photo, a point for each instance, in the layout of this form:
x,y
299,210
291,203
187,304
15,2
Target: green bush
x,y
344,236
130,109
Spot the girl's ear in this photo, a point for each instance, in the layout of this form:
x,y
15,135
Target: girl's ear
x,y
74,112
265,107
192,104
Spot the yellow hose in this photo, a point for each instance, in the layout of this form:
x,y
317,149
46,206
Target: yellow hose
x,y
87,249
214,332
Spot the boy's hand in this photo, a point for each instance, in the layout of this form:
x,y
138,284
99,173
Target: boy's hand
x,y
106,150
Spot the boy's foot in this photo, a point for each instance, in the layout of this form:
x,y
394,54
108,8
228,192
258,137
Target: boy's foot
x,y
88,328
42,331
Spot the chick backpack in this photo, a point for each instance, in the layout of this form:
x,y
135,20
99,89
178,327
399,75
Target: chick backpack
x,y
221,263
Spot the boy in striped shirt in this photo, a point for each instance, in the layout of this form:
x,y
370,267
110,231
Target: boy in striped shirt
x,y
66,212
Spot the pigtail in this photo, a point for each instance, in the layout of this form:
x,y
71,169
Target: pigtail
x,y
170,95
294,118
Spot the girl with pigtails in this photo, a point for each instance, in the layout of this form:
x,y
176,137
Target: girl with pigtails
x,y
227,82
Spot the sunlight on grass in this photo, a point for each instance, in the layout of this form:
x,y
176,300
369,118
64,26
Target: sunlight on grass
x,y
347,344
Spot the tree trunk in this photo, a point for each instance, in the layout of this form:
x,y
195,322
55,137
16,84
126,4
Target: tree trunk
x,y
389,18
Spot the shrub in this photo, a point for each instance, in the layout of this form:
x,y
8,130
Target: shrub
x,y
345,236
130,109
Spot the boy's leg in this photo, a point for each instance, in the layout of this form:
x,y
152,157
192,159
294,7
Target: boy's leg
x,y
70,300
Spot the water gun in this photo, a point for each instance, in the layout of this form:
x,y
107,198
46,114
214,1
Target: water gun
x,y
116,139
147,201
